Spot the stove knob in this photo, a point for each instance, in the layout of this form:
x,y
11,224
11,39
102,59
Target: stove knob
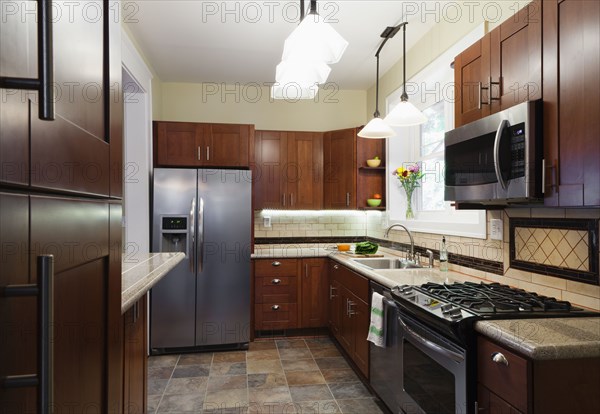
x,y
406,290
455,313
447,308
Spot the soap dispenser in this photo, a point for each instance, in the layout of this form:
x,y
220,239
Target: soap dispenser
x,y
443,256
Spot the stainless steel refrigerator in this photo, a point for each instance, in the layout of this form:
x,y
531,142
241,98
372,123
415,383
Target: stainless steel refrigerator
x,y
204,303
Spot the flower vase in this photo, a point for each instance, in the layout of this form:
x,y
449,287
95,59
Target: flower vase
x,y
409,211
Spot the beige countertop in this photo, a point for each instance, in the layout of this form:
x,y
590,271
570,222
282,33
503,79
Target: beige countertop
x,y
555,338
143,271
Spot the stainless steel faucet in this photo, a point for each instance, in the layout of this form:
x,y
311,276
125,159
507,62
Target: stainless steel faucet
x,y
412,241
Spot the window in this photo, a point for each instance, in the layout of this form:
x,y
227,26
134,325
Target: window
x,y
432,91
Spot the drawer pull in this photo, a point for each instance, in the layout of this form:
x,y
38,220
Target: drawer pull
x,y
498,358
276,281
275,307
331,292
276,264
336,267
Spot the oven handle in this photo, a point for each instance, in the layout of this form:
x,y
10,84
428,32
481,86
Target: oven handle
x,y
429,344
501,128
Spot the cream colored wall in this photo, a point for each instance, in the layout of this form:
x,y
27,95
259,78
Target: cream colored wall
x,y
251,104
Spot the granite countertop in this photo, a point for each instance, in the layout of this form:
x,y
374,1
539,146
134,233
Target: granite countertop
x,y
539,339
142,272
555,338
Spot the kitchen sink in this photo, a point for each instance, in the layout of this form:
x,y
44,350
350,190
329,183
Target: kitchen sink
x,y
379,264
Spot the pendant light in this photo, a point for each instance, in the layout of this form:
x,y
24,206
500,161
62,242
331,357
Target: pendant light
x,y
405,113
377,128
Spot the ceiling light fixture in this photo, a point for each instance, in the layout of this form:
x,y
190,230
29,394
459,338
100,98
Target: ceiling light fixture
x,y
307,52
405,113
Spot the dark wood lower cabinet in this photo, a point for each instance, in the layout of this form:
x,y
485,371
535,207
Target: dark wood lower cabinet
x,y
313,294
135,358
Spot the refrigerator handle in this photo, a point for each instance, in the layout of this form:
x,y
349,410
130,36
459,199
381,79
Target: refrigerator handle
x,y
200,256
192,229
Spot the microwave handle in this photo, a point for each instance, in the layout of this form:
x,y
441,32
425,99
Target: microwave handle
x,y
501,128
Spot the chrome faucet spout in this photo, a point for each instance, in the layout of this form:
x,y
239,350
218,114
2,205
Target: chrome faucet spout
x,y
412,241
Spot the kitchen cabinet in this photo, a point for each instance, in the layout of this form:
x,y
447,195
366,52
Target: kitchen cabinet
x,y
370,180
288,170
339,179
502,69
508,382
571,102
190,144
349,310
275,294
313,293
135,366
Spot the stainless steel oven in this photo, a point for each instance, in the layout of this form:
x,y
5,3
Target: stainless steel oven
x,y
433,378
497,159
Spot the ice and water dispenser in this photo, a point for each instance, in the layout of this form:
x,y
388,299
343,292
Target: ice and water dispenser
x,y
174,234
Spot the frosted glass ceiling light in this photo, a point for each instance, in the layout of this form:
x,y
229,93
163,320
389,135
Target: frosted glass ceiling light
x,y
405,113
301,72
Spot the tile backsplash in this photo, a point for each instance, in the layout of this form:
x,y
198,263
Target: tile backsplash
x,y
372,224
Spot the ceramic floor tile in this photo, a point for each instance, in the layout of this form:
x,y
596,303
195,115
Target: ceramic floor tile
x,y
266,380
361,406
237,410
233,356
196,359
196,385
156,386
339,375
316,343
310,393
304,377
318,407
152,403
264,367
290,343
270,395
272,408
294,353
188,371
299,365
160,372
190,403
227,382
332,363
162,361
221,399
262,355
347,390
325,352
261,345
227,368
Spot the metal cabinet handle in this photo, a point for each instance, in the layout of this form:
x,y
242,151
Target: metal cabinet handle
x,y
199,153
276,281
291,199
490,98
351,310
44,83
283,198
499,358
275,307
480,92
207,153
347,199
331,290
336,267
276,264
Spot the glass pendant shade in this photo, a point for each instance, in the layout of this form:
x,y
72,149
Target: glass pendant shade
x,y
314,40
293,91
376,128
405,114
301,72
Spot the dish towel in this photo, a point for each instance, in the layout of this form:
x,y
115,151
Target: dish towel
x,y
376,334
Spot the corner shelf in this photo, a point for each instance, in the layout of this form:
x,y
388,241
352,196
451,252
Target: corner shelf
x,y
382,168
380,208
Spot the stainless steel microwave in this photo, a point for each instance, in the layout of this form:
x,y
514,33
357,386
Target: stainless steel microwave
x,y
497,160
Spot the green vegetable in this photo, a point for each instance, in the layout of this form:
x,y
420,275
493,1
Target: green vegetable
x,y
366,247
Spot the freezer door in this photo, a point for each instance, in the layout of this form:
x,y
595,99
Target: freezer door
x,y
224,232
173,298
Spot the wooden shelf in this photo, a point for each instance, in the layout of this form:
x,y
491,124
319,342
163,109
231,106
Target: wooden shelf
x,y
380,208
382,168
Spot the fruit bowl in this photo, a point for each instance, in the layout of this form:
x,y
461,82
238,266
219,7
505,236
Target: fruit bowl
x,y
374,163
374,202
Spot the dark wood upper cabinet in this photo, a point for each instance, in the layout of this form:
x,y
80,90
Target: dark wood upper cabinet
x,y
288,170
339,179
191,144
572,102
502,69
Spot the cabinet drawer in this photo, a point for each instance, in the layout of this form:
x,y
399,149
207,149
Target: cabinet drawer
x,y
276,316
276,267
507,377
273,289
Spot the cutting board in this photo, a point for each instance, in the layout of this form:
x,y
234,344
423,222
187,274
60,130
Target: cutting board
x,y
363,255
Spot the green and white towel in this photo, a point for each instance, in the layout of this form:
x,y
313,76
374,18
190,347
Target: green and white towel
x,y
376,334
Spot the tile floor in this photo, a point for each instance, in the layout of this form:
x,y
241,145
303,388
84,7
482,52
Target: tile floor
x,y
272,377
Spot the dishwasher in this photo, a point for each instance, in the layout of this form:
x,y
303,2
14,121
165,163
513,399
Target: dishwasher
x,y
386,363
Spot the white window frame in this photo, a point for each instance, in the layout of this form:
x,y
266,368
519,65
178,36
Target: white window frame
x,y
433,83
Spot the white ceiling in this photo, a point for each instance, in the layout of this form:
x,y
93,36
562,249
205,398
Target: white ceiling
x,y
242,41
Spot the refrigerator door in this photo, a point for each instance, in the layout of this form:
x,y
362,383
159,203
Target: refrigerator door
x,y
173,298
223,249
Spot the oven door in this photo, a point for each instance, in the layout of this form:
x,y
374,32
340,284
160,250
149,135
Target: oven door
x,y
434,371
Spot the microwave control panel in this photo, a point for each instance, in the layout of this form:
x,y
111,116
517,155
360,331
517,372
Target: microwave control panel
x,y
517,151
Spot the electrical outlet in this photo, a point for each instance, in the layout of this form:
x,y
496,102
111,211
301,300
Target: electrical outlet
x,y
267,221
496,230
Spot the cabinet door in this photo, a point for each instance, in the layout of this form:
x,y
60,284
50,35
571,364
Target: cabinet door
x,y
226,145
572,102
516,58
472,75
361,316
270,158
314,290
340,169
303,170
135,360
488,402
179,144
